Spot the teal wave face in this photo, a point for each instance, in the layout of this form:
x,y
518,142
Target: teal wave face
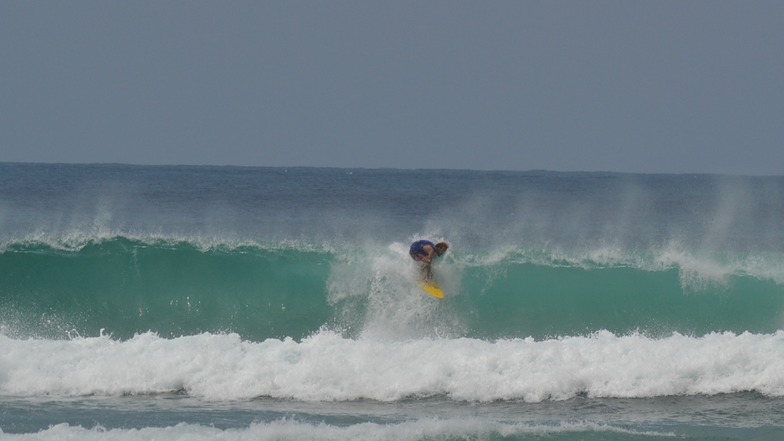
x,y
546,301
126,286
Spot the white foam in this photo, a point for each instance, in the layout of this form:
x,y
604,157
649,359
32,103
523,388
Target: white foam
x,y
391,303
471,428
328,367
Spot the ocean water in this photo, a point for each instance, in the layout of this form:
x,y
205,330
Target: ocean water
x,y
234,303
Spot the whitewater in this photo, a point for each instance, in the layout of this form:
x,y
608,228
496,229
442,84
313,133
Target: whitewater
x,y
143,302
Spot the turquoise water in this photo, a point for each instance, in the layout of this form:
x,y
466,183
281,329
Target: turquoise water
x,y
124,286
235,303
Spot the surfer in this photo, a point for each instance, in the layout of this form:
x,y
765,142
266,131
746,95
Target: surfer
x,y
423,251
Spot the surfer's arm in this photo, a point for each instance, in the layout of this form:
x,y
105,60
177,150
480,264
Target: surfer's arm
x,y
428,258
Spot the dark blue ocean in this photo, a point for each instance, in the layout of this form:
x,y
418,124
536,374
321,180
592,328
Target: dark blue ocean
x,y
180,302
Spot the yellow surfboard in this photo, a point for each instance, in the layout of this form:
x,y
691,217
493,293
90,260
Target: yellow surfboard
x,y
432,289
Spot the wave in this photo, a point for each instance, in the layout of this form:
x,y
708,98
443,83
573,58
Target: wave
x,y
170,286
330,367
425,429
126,285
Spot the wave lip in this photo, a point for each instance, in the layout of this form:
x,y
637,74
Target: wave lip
x,y
328,367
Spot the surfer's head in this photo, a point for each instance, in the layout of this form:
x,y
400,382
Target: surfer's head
x,y
441,248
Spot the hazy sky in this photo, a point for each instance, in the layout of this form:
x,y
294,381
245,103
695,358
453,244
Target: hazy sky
x,y
640,86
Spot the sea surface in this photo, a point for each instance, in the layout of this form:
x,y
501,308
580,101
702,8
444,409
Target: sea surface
x,y
238,303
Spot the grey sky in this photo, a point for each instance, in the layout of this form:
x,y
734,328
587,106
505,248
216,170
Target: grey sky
x,y
654,86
